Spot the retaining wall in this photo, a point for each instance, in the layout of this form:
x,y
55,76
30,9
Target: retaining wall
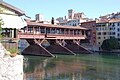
x,y
11,68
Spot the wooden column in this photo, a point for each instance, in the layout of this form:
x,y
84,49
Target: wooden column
x,y
76,32
64,31
45,30
39,30
69,32
26,29
84,32
80,33
50,30
60,31
73,32
33,30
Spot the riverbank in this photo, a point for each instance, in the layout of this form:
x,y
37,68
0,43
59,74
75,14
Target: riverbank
x,y
11,68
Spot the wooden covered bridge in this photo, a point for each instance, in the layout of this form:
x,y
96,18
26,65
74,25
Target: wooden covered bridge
x,y
46,39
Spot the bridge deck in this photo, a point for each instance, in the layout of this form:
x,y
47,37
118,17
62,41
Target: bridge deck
x,y
50,36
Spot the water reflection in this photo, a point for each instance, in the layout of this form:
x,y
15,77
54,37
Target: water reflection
x,y
69,67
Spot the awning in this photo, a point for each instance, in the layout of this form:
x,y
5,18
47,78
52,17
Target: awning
x,y
12,21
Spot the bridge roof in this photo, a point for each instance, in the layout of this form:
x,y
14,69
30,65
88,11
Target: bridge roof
x,y
35,24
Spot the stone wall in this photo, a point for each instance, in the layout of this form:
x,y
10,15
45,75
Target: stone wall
x,y
11,68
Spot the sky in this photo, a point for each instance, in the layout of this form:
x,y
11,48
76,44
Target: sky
x,y
59,8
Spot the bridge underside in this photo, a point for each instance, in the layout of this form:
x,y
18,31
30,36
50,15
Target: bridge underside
x,y
48,47
35,50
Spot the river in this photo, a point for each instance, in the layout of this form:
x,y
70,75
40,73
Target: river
x,y
70,67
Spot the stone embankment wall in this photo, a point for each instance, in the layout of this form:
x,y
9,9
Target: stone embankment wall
x,y
11,68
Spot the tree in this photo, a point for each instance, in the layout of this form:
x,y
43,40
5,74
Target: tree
x,y
52,20
1,23
110,44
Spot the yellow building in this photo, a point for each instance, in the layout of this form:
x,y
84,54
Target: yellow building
x,y
102,32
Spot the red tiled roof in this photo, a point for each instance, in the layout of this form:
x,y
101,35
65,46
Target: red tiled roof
x,y
102,21
114,20
29,23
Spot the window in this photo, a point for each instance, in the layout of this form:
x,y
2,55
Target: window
x,y
113,33
97,28
110,33
103,25
98,42
52,31
112,37
99,37
94,33
104,33
118,29
113,24
75,25
110,28
118,34
48,30
42,30
114,28
118,24
109,23
99,33
103,28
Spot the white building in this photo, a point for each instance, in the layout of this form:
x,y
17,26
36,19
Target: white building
x,y
116,16
39,17
114,26
74,18
110,16
73,22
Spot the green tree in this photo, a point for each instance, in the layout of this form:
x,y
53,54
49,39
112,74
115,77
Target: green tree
x,y
52,20
1,23
110,44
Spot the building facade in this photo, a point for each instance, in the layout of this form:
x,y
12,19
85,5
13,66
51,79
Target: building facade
x,y
73,19
91,34
11,17
102,32
106,30
39,17
114,26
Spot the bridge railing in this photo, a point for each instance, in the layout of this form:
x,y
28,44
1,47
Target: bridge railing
x,y
50,35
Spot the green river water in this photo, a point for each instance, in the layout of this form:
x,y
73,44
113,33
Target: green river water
x,y
70,67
